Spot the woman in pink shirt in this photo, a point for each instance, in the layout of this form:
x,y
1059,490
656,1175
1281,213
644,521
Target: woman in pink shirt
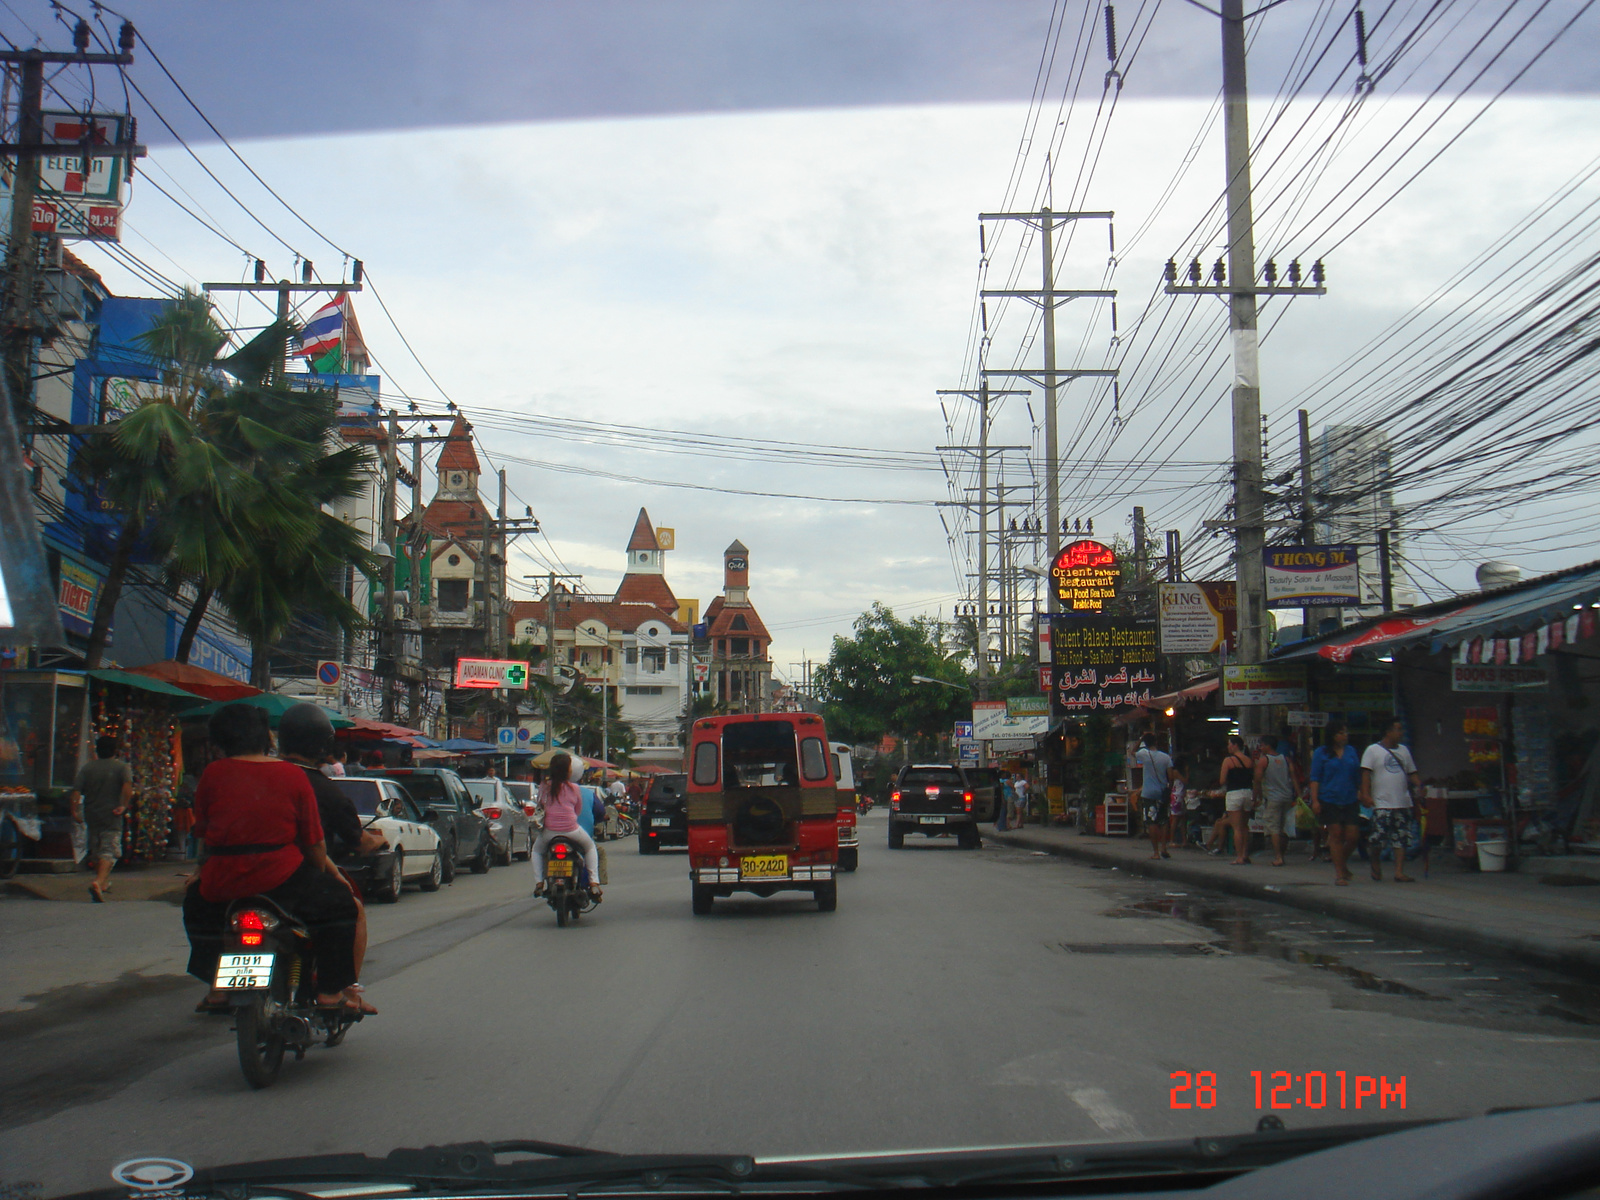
x,y
562,801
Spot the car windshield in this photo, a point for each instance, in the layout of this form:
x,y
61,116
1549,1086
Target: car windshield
x,y
1061,538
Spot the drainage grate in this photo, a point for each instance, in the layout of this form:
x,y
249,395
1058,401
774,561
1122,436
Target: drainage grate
x,y
1145,948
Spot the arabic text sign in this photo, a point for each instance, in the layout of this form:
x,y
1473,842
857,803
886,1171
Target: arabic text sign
x,y
1496,677
1263,683
1303,576
1196,618
1085,575
1102,662
491,673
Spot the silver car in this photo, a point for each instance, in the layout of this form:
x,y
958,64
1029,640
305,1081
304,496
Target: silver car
x,y
511,825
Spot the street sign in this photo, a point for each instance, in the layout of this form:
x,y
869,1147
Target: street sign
x,y
1311,720
963,730
1263,683
524,738
967,750
329,673
506,737
702,672
491,673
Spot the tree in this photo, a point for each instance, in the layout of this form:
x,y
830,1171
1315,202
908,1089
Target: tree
x,y
866,686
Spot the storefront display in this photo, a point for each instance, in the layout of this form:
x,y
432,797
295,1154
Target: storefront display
x,y
150,741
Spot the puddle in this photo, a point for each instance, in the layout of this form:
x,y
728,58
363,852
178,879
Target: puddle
x,y
1446,984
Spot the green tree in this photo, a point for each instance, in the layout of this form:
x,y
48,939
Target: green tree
x,y
866,685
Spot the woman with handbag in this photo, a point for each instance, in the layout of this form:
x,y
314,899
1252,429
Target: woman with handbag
x,y
1238,778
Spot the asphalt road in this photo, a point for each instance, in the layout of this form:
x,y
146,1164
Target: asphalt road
x,y
955,998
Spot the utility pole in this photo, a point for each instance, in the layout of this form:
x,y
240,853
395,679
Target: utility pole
x,y
1174,556
1140,551
982,395
284,288
550,653
22,255
386,622
1249,510
1049,298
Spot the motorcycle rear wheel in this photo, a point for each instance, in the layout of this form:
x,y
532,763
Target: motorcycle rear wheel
x,y
260,1053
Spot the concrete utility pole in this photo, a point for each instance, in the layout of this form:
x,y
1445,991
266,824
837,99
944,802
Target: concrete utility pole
x,y
550,652
22,254
982,395
1049,298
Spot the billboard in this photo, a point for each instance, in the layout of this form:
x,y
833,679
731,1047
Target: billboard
x,y
491,673
1199,618
1085,575
995,719
1101,663
1306,576
1263,683
79,196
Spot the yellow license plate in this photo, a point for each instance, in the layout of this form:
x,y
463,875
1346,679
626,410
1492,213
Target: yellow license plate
x,y
764,866
555,867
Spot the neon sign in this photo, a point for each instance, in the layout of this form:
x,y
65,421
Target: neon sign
x,y
1086,574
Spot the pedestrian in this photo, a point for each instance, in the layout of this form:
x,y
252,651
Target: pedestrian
x,y
1389,783
1022,799
1274,786
1155,791
99,797
1335,797
1177,817
334,767
1238,776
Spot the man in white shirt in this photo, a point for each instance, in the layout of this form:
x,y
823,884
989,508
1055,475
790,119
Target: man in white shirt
x,y
1389,783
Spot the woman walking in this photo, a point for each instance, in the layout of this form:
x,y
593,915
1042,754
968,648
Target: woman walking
x,y
1238,777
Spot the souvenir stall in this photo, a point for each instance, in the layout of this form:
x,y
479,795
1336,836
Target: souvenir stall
x,y
142,714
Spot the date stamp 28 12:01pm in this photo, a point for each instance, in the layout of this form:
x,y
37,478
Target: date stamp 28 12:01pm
x,y
1282,1089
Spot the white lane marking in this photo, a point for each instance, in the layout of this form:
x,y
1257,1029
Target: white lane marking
x,y
1103,1112
1063,1071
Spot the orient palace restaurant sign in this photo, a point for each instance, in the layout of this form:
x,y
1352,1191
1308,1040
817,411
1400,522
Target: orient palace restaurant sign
x,y
1085,575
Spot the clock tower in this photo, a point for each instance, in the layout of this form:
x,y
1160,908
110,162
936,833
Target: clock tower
x,y
736,575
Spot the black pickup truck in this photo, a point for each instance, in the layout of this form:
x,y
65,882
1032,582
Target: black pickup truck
x,y
937,799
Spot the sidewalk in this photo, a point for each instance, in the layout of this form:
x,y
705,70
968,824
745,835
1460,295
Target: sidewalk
x,y
152,881
1512,914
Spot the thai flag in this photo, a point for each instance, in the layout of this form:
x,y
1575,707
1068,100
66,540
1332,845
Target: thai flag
x,y
325,330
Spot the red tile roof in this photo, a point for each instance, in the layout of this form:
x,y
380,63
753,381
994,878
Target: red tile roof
x,y
648,589
644,534
722,623
458,454
624,615
454,519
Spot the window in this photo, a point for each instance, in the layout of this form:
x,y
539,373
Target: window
x,y
452,595
734,679
477,589
654,661
755,648
608,656
572,656
672,656
813,761
631,655
705,764
838,771
454,560
642,690
739,623
741,647
722,647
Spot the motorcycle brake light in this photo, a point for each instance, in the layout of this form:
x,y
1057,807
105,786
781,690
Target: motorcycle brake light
x,y
251,926
559,850
492,813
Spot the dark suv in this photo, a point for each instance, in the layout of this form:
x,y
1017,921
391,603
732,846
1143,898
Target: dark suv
x,y
936,799
665,820
451,810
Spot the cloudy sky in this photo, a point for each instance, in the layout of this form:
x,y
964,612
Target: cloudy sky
x,y
759,221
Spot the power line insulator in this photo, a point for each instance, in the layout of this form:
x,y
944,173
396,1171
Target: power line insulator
x,y
1271,272
1194,272
1318,275
1219,271
1172,270
357,271
306,271
80,36
261,270
1294,271
125,37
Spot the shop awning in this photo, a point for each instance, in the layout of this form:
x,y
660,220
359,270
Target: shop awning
x,y
1557,607
1182,696
176,696
198,680
273,704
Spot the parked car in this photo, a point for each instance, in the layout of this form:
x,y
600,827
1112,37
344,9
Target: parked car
x,y
443,799
510,826
412,854
937,799
665,819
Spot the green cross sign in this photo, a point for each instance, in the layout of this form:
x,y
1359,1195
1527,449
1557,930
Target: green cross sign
x,y
516,675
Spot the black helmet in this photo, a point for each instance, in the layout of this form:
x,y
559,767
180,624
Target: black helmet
x,y
305,731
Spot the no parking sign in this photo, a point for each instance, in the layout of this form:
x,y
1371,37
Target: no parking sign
x,y
329,674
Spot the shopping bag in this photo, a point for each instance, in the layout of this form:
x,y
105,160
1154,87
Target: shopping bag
x,y
80,841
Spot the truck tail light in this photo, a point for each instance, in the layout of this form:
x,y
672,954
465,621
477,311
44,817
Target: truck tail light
x,y
492,813
894,799
966,798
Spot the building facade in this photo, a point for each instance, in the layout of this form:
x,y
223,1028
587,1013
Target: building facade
x,y
738,646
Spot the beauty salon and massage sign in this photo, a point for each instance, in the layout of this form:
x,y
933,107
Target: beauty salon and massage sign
x,y
1308,576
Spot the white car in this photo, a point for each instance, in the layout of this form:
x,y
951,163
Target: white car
x,y
509,817
412,855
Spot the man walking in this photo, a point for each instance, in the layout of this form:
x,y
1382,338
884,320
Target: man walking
x,y
1389,782
1335,797
1275,786
1154,792
100,796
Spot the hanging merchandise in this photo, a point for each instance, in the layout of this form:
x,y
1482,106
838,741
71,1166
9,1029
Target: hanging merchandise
x,y
148,740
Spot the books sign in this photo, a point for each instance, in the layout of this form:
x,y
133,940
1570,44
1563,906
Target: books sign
x,y
1496,677
1305,576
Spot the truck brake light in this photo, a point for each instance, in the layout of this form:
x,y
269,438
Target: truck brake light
x,y
894,799
966,798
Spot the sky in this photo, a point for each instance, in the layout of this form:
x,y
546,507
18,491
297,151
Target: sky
x,y
761,221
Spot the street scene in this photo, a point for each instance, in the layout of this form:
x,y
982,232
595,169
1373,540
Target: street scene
x,y
721,597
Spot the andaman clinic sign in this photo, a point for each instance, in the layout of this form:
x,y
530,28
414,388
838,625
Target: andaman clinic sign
x,y
1308,576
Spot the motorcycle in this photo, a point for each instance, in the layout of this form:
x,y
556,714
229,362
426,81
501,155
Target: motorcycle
x,y
864,805
269,973
566,881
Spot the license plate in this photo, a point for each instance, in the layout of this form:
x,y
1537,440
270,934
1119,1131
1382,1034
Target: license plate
x,y
238,971
661,820
555,867
764,866
931,820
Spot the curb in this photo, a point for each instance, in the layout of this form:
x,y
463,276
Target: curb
x,y
1582,961
23,890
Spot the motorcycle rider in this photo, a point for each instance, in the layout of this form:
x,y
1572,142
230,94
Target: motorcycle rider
x,y
562,803
305,738
257,820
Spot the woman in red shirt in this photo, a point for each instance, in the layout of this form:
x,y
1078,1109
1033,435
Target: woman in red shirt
x,y
256,817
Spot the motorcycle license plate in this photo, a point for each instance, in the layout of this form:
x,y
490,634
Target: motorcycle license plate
x,y
764,866
239,971
931,820
556,867
661,820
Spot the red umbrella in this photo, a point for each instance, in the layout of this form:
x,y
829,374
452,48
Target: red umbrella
x,y
197,680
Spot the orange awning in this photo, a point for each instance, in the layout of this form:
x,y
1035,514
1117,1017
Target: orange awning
x,y
195,679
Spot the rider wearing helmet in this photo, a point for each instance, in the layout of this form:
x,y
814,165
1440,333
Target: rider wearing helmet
x,y
305,738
